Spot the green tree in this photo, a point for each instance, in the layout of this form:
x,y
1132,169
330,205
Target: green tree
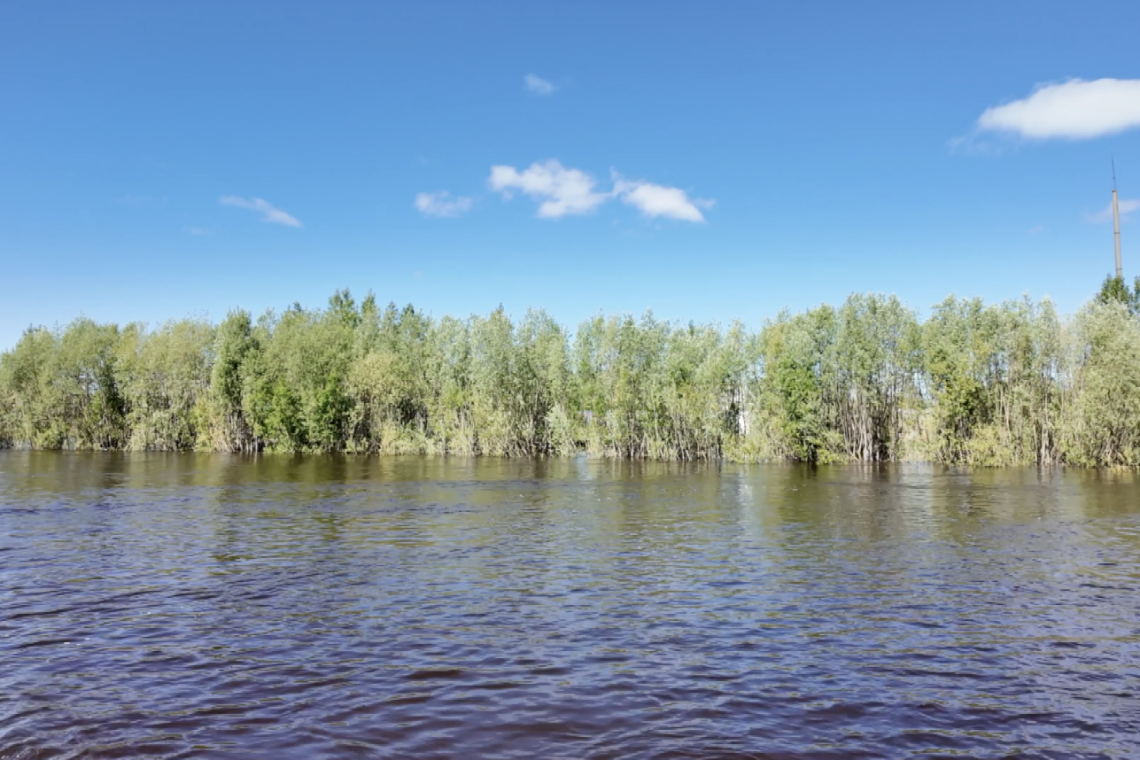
x,y
1115,290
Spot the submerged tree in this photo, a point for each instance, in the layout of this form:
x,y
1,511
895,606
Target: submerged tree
x,y
973,384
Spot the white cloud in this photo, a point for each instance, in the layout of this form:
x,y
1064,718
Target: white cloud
x,y
1074,110
441,204
1127,206
197,231
658,200
571,191
270,213
563,191
538,85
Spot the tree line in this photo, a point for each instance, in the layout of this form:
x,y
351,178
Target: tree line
x,y
972,383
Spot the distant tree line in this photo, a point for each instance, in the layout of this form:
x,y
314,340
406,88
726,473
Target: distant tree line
x,y
869,381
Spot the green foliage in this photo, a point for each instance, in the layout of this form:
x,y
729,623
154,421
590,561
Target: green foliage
x,y
796,359
1115,290
223,423
61,390
974,384
163,376
1103,409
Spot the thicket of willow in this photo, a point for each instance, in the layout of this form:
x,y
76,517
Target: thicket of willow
x,y
868,381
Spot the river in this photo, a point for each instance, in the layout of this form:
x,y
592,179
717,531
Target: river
x,y
210,606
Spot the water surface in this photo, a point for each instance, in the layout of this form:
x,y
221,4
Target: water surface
x,y
222,607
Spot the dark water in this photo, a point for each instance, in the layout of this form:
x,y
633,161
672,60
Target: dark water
x,y
205,606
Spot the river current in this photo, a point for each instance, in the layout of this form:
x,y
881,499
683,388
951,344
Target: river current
x,y
205,606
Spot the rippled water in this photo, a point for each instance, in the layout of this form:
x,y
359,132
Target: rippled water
x,y
211,606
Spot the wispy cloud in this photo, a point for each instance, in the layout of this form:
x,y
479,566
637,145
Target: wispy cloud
x,y
538,85
975,144
269,212
1127,206
442,204
658,200
563,191
1036,229
197,231
1072,110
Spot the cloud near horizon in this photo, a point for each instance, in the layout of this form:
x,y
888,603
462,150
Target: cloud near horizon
x,y
1127,206
1072,110
538,85
269,212
442,204
566,191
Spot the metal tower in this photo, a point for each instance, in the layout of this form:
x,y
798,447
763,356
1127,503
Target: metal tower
x,y
1116,222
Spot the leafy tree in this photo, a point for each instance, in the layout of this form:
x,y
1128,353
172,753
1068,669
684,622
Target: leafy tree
x,y
976,384
1115,290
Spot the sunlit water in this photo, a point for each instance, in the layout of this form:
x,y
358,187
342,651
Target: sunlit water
x,y
222,607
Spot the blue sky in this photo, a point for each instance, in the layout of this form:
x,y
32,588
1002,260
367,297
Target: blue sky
x,y
708,161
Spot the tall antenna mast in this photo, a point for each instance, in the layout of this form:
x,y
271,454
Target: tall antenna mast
x,y
1116,222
